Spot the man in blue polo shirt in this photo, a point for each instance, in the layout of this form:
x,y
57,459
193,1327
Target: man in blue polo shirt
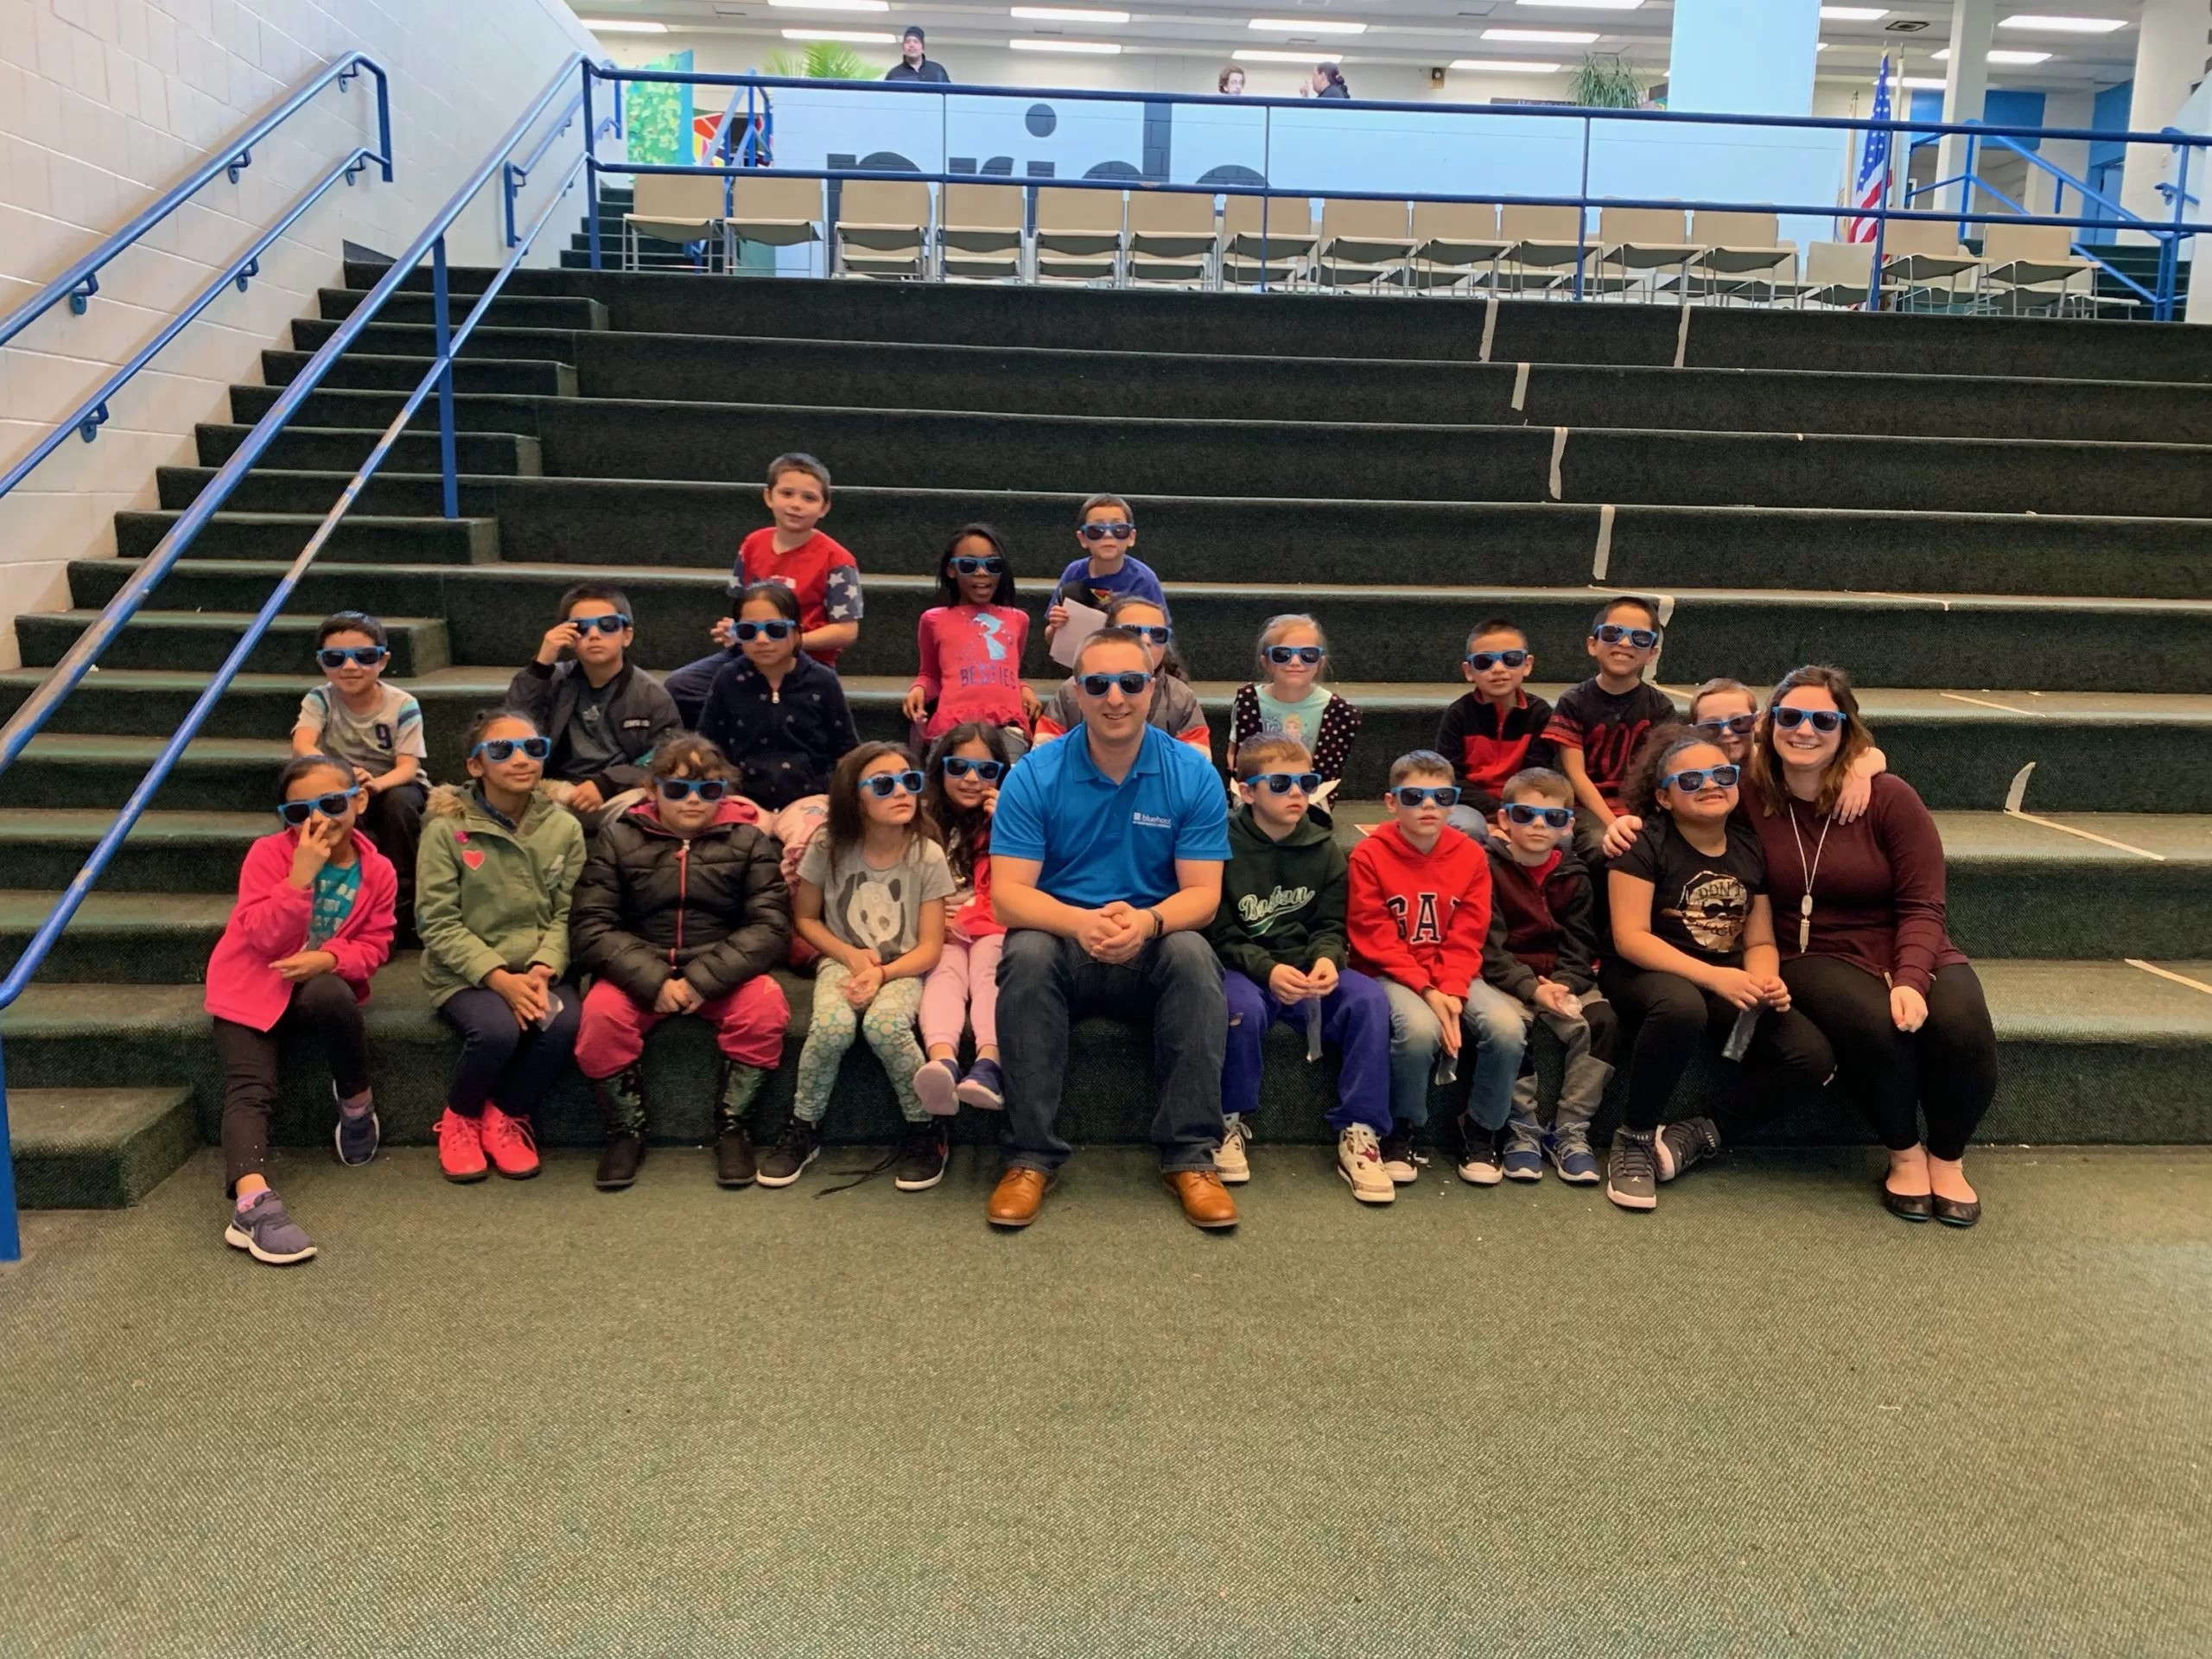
x,y
1107,848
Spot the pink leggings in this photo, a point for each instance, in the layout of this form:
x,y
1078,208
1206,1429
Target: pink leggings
x,y
963,989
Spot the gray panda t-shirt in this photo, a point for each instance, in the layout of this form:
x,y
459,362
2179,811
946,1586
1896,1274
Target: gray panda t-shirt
x,y
877,910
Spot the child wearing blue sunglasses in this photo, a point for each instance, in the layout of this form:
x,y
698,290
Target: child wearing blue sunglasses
x,y
964,770
1287,699
970,646
870,897
375,728
313,924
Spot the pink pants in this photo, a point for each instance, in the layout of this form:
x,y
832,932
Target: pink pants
x,y
750,1024
961,989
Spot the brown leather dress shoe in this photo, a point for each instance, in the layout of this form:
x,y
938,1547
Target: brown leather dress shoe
x,y
1205,1201
1018,1197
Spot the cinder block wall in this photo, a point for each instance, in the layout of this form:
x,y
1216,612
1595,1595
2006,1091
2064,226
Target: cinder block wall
x,y
105,105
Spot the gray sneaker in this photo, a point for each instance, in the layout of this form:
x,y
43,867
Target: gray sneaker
x,y
267,1233
357,1137
1631,1173
1687,1142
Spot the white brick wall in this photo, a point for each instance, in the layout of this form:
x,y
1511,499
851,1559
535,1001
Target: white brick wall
x,y
105,105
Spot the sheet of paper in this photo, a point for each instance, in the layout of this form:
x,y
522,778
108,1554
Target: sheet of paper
x,y
1084,620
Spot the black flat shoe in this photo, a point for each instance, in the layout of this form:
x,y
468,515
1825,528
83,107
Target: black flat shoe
x,y
1908,1206
1952,1213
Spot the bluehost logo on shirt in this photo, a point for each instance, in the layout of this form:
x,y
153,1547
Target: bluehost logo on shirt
x,y
1151,820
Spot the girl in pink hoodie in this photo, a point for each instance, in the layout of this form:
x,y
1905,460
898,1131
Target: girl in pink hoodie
x,y
313,921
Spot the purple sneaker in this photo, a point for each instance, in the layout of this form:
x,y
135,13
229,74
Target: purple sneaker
x,y
935,1084
263,1231
984,1086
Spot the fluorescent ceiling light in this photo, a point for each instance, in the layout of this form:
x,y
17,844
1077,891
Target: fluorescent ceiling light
x,y
622,26
1999,55
1306,26
1059,15
1585,5
832,6
1923,83
1854,14
1506,66
1101,49
1253,54
1543,36
855,36
2064,25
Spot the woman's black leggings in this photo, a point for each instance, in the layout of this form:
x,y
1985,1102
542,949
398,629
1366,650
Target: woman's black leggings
x,y
1948,1068
1789,1058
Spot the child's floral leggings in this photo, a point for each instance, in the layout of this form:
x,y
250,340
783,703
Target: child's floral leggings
x,y
888,1022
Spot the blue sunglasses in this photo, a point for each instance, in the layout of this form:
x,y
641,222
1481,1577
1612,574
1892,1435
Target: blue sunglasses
x,y
332,805
988,771
1282,655
990,565
613,622
1694,779
747,632
1611,633
1482,661
883,784
1097,686
682,789
503,748
1417,795
336,657
1824,720
1153,634
1554,817
1283,782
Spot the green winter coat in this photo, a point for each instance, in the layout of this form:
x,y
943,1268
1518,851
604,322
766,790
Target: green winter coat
x,y
1282,902
487,897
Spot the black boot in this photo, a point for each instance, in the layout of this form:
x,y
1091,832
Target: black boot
x,y
621,1105
733,1160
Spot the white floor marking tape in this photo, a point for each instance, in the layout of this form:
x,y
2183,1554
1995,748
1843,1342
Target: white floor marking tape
x,y
2165,973
1490,327
1559,453
1666,618
1984,702
1602,561
1682,339
1520,386
2018,792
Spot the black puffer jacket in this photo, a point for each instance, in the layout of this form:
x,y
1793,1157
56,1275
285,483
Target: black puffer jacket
x,y
650,902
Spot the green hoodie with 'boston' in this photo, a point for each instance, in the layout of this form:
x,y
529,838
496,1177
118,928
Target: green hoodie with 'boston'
x,y
1282,902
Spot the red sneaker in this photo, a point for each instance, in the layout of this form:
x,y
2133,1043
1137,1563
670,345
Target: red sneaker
x,y
509,1143
461,1147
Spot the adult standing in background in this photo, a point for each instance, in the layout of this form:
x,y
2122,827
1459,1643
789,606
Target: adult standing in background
x,y
1230,83
1329,81
914,62
1859,912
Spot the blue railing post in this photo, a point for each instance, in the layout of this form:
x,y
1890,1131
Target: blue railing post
x,y
11,1236
1874,270
442,320
1966,182
1582,210
591,164
2170,256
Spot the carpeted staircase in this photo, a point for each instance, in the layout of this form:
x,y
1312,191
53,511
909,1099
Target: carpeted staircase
x,y
1997,525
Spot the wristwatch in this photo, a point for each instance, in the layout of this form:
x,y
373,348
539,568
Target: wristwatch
x,y
1159,924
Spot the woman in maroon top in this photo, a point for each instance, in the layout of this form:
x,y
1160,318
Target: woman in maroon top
x,y
1859,914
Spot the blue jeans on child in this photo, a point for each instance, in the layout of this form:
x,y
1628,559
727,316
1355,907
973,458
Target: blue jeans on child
x,y
1354,1017
1490,1024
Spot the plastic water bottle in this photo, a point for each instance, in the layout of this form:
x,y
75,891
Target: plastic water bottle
x,y
1739,1040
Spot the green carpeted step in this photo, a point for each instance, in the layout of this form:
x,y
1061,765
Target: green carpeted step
x,y
307,448
133,938
2093,751
874,374
216,775
364,371
373,411
1327,326
1139,453
202,638
1201,539
97,1148
2087,1051
359,539
42,847
510,309
496,614
382,340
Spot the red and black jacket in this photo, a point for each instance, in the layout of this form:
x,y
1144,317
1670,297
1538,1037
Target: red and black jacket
x,y
1488,744
1541,925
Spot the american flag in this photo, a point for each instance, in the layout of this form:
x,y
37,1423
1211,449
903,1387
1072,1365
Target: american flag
x,y
1873,165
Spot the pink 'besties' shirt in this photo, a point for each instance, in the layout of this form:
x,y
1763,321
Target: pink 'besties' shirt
x,y
971,664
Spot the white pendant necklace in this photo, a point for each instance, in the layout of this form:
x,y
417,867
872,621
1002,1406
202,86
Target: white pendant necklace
x,y
1811,873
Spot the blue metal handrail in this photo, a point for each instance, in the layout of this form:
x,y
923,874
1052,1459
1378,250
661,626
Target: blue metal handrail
x,y
81,656
2171,233
81,281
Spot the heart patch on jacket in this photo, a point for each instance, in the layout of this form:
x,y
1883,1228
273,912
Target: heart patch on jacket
x,y
473,859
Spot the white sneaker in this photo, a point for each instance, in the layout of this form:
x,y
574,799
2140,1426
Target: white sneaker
x,y
1229,1162
1359,1160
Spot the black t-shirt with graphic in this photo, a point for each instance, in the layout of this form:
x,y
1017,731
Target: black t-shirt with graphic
x,y
1700,901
